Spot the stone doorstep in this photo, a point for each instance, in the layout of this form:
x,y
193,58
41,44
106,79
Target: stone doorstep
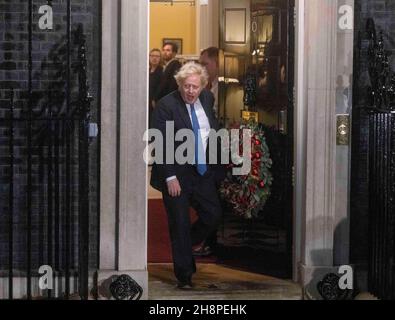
x,y
196,294
215,282
365,296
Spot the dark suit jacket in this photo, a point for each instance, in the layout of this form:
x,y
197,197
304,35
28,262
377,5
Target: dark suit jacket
x,y
168,83
173,108
154,82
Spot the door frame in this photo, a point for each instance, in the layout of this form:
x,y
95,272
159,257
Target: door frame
x,y
110,235
300,119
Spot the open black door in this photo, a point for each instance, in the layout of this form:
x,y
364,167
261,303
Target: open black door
x,y
265,51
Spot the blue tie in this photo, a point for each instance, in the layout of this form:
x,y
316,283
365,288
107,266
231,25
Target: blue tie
x,y
199,152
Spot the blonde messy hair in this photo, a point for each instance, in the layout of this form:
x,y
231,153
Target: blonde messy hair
x,y
190,69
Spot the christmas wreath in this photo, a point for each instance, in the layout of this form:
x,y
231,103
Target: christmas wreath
x,y
246,195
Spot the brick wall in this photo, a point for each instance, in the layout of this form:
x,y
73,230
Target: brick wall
x,y
49,83
383,13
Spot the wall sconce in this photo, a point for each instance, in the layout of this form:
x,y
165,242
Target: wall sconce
x,y
228,80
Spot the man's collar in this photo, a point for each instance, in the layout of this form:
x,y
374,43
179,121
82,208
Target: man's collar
x,y
170,61
197,102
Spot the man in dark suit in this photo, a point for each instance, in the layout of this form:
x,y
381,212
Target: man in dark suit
x,y
190,184
168,83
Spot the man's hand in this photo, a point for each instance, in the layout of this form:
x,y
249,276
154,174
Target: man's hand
x,y
174,188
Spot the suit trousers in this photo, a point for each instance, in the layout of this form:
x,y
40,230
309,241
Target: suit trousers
x,y
200,193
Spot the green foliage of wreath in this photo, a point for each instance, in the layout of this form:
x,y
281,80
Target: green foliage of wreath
x,y
246,195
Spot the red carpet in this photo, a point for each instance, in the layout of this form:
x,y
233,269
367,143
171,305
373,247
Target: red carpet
x,y
159,249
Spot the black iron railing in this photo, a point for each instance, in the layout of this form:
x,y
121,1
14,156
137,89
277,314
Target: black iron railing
x,y
381,273
51,152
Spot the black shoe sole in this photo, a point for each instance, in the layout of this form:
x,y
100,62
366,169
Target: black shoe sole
x,y
202,253
185,286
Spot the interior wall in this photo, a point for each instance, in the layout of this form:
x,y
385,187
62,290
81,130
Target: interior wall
x,y
173,21
207,22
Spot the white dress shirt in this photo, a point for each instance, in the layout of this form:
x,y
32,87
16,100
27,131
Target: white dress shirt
x,y
204,126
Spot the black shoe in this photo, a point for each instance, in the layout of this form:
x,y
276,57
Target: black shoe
x,y
187,285
202,251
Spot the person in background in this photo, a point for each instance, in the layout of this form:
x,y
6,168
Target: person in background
x,y
168,83
209,58
155,75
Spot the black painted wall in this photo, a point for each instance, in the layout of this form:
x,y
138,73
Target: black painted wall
x,y
383,13
49,59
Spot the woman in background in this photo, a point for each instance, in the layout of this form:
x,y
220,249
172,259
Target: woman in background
x,y
155,74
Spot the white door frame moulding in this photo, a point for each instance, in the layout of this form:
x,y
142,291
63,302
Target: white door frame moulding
x,y
124,119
